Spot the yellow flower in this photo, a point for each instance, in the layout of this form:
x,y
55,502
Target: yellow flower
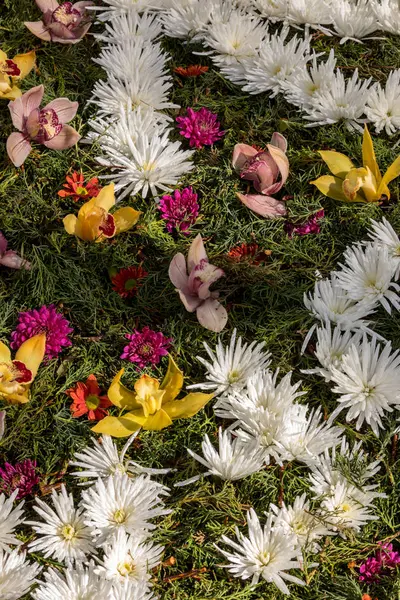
x,y
151,405
17,375
12,71
351,184
95,223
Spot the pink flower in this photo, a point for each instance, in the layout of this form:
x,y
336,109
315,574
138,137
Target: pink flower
x,y
310,226
9,258
180,210
43,320
146,347
380,565
201,128
66,23
22,476
268,170
45,126
192,282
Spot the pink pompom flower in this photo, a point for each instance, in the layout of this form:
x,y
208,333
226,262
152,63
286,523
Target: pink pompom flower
x,y
43,320
146,347
22,476
382,564
180,209
201,128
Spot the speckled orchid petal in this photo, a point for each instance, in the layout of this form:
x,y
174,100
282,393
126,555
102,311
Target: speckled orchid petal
x,y
212,315
64,108
263,205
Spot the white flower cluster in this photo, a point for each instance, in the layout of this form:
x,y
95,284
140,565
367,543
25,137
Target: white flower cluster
x,y
130,127
269,422
103,541
363,366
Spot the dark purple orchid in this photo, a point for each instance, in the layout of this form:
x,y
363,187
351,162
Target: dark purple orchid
x,y
10,258
65,23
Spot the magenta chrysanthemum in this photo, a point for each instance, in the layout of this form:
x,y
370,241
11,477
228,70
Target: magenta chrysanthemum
x,y
381,565
146,347
43,320
201,128
22,476
180,210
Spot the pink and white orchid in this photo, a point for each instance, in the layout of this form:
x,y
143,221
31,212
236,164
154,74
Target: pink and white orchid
x,y
268,170
65,23
9,258
45,125
192,282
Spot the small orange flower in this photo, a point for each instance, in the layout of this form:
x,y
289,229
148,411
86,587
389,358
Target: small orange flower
x,y
248,253
366,597
191,70
87,400
76,188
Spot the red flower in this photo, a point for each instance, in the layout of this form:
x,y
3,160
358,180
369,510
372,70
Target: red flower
x,y
88,401
248,253
191,70
76,188
127,281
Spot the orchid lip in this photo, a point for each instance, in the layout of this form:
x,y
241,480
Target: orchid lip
x,y
67,15
9,67
49,125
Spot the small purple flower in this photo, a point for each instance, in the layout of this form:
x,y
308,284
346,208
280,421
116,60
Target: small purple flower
x,y
43,320
22,476
201,128
180,210
146,347
380,565
311,226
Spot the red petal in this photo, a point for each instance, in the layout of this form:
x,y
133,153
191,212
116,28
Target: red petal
x,y
108,226
24,374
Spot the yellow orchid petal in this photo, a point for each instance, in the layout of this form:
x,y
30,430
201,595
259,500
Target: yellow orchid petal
x,y
3,56
31,352
117,426
106,197
368,154
353,183
392,172
339,164
188,406
5,354
120,396
12,94
88,227
172,382
25,63
87,208
70,222
18,398
125,218
146,386
333,188
158,421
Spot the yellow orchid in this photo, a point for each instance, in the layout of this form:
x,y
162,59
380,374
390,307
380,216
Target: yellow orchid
x,y
351,184
12,71
151,405
17,375
95,223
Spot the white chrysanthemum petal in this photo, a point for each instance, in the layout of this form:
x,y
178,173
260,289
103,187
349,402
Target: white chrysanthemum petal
x,y
130,26
75,583
10,518
383,104
387,12
17,575
187,20
309,12
383,234
115,8
275,10
129,590
353,20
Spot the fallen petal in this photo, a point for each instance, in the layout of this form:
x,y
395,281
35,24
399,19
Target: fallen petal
x,y
177,272
39,29
212,315
263,205
279,141
12,260
241,154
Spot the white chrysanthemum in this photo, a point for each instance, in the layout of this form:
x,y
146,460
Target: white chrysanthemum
x,y
387,13
129,590
10,518
383,234
131,26
235,458
367,276
348,507
279,59
300,520
330,302
152,163
353,20
304,437
344,100
137,59
187,20
331,345
120,502
301,88
309,12
63,533
275,10
383,104
16,574
102,459
267,553
129,557
230,367
75,583
368,383
116,8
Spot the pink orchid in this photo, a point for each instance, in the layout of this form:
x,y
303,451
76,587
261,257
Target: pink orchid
x,y
45,126
65,23
268,170
192,282
9,258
